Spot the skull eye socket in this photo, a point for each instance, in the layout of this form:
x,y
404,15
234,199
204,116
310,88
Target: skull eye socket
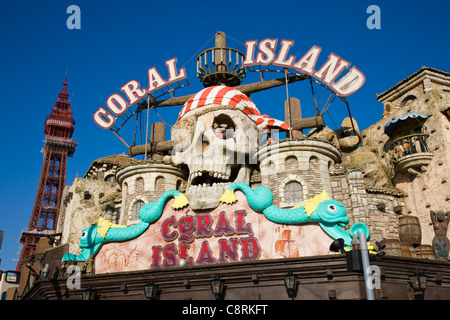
x,y
223,126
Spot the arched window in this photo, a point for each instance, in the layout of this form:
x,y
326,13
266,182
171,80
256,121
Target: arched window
x,y
160,186
291,163
179,185
293,193
139,184
110,178
135,209
407,100
313,163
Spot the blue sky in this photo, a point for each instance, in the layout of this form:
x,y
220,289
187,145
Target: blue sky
x,y
119,40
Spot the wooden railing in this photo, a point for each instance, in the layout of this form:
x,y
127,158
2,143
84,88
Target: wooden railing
x,y
218,64
410,144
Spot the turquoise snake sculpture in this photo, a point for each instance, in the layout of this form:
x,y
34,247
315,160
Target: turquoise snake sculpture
x,y
330,214
93,237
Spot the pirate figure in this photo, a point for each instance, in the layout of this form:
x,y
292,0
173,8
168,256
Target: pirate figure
x,y
441,243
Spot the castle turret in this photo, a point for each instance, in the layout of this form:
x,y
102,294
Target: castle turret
x,y
296,170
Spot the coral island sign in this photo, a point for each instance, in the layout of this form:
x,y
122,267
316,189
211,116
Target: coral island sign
x,y
118,105
263,53
327,73
245,226
202,226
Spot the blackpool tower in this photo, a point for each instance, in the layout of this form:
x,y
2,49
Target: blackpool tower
x,y
58,130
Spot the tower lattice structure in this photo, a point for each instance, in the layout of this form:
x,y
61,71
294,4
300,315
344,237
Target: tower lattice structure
x,y
59,127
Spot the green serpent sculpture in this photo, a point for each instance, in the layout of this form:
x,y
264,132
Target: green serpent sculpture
x,y
329,213
93,237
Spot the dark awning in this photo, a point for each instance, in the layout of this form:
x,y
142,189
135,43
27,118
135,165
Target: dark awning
x,y
390,127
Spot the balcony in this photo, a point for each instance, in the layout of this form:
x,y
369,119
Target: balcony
x,y
411,153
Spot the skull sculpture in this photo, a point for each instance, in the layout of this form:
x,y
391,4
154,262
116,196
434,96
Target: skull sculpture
x,y
216,136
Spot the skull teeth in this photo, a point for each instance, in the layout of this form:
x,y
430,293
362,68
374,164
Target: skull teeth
x,y
223,175
208,178
204,187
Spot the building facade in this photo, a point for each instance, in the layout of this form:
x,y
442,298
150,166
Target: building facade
x,y
199,210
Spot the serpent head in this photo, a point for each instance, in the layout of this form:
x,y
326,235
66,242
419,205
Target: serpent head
x,y
332,212
90,237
